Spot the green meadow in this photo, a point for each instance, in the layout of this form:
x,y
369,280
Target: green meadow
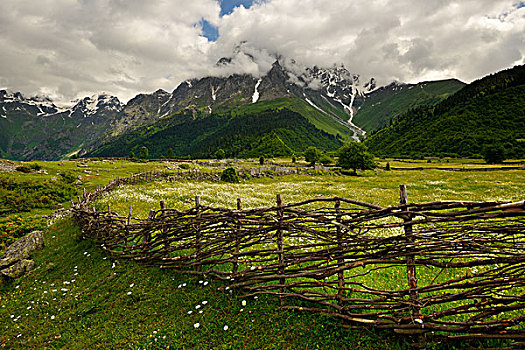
x,y
78,297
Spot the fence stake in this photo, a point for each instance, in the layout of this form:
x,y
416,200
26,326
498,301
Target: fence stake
x,y
411,263
147,235
129,215
340,261
164,227
280,253
197,234
235,267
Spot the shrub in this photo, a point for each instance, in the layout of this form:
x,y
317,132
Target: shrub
x,y
23,169
220,154
387,168
326,160
261,160
68,177
35,166
16,226
230,175
184,166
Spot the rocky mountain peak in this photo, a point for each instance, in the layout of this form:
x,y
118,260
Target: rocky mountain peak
x,y
92,105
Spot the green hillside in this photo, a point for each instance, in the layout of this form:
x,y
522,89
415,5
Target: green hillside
x,y
243,133
490,111
321,121
381,106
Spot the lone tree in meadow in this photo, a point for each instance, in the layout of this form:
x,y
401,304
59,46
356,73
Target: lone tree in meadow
x,y
493,154
354,155
144,153
312,155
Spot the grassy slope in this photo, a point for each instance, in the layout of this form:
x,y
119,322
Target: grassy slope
x,y
382,106
320,120
118,304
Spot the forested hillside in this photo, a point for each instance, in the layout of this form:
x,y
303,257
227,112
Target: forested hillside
x,y
487,112
276,132
380,106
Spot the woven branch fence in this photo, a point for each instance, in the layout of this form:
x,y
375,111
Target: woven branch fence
x,y
448,269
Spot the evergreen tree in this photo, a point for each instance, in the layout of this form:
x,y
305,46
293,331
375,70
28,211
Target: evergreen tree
x,y
220,154
171,155
131,155
144,153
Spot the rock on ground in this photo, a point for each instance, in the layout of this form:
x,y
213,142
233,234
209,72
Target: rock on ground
x,y
15,261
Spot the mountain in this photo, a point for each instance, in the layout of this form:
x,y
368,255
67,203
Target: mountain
x,y
378,107
35,128
317,99
487,112
327,103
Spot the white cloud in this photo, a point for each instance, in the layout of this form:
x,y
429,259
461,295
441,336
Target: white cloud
x,y
67,49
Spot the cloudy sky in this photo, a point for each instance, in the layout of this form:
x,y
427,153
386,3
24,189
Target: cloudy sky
x,y
66,49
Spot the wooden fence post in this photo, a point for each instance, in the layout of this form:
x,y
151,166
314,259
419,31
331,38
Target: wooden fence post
x,y
235,267
198,237
340,261
411,264
280,251
129,215
164,226
147,235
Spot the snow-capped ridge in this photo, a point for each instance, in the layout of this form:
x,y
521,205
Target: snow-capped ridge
x,y
89,106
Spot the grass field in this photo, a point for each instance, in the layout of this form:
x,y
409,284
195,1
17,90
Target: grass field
x,y
77,297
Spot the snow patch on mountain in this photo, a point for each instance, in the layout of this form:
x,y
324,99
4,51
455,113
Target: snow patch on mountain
x,y
213,95
255,96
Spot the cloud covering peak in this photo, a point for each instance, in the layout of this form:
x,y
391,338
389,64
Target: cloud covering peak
x,y
68,49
